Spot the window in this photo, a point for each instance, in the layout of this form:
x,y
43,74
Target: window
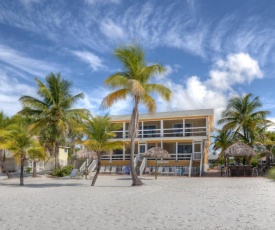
x,y
177,130
149,130
187,148
188,132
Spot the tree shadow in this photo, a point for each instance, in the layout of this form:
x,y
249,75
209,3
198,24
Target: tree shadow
x,y
44,185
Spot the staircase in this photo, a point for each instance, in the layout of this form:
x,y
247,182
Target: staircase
x,y
142,166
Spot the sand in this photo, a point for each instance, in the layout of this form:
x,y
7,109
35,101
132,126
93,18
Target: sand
x,y
167,203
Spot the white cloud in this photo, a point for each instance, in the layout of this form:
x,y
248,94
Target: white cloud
x,y
93,2
10,92
111,29
21,61
236,69
93,60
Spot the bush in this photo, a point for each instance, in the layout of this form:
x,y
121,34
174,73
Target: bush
x,y
64,171
271,174
28,170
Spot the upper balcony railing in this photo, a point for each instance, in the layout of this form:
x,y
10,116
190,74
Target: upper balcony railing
x,y
172,132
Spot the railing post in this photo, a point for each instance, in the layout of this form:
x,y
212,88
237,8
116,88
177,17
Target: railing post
x,y
142,129
123,153
124,130
161,128
176,151
183,127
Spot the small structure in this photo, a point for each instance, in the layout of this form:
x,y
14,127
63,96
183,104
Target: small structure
x,y
240,149
157,153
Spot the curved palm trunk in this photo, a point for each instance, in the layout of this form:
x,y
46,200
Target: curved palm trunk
x,y
97,170
34,171
22,172
133,132
56,155
2,163
5,169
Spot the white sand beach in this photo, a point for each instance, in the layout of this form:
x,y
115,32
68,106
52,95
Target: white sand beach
x,y
166,203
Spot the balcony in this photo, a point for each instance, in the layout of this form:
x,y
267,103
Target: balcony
x,y
171,132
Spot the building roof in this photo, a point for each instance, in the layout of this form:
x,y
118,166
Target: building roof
x,y
171,114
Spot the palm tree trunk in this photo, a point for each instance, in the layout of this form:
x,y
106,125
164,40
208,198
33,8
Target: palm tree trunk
x,y
2,163
97,171
133,132
22,172
34,171
56,155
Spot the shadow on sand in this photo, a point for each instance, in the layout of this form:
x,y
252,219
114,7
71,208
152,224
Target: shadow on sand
x,y
44,185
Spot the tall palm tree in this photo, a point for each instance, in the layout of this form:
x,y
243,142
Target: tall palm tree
x,y
53,109
134,81
18,139
4,122
36,154
99,132
243,117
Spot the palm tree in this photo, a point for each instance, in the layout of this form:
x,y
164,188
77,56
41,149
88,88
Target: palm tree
x,y
243,117
134,81
53,111
4,122
99,132
36,154
222,141
18,139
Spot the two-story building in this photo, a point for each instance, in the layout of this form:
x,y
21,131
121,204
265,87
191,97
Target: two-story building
x,y
184,134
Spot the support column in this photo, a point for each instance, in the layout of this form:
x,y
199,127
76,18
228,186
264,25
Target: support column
x,y
161,128
123,153
161,144
183,127
176,151
142,129
124,130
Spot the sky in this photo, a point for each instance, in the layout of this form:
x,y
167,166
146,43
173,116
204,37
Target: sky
x,y
212,50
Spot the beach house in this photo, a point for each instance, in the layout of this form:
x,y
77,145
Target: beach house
x,y
184,134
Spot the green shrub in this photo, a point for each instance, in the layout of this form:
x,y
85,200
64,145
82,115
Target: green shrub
x,y
271,173
64,171
28,170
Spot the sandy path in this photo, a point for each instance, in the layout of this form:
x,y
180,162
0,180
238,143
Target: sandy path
x,y
168,203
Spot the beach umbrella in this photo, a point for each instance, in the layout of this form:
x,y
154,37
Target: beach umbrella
x,y
157,153
239,149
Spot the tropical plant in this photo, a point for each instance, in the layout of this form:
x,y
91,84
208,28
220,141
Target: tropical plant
x,y
36,154
4,122
99,131
243,117
222,141
18,139
134,81
53,111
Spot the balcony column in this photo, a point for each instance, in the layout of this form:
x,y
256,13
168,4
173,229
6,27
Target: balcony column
x,y
176,151
124,130
206,124
183,127
142,129
123,153
161,128
161,144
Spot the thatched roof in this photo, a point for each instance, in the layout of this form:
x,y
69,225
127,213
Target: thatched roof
x,y
85,153
239,149
156,152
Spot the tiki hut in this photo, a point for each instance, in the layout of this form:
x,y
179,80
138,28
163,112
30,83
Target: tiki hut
x,y
157,153
84,154
239,149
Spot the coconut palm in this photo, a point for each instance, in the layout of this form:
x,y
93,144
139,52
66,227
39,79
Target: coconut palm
x,y
52,111
4,122
18,139
222,141
134,81
36,154
242,116
99,132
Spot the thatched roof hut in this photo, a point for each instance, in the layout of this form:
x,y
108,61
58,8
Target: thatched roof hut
x,y
239,149
84,154
157,152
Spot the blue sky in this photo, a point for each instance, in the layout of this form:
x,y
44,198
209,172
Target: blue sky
x,y
212,49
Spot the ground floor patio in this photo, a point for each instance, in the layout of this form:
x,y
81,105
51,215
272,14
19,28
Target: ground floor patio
x,y
166,203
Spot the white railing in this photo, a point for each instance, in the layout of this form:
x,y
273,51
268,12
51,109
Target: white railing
x,y
84,165
135,161
142,166
172,132
197,155
93,165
